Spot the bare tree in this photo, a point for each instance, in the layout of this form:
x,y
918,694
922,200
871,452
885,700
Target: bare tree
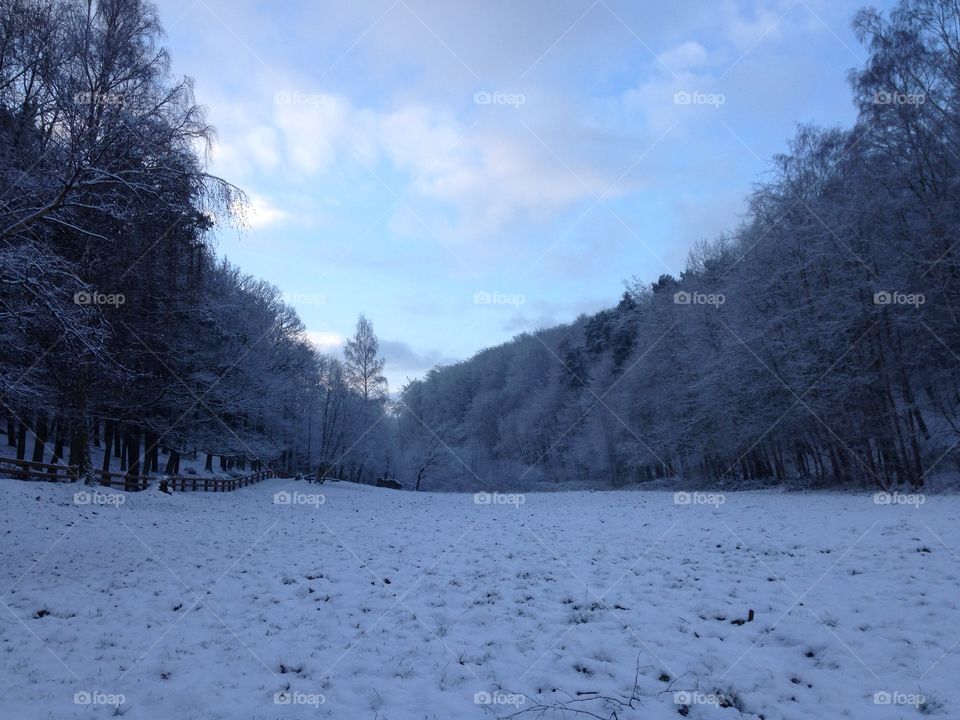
x,y
363,362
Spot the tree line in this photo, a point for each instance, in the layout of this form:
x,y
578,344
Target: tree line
x,y
817,343
119,326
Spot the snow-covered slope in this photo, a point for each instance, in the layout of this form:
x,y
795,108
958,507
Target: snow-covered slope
x,y
381,604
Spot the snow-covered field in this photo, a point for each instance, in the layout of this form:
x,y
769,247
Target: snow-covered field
x,y
385,604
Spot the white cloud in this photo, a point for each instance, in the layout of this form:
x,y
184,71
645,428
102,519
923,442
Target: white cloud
x,y
684,56
401,357
488,170
260,212
319,129
402,361
328,342
261,144
489,176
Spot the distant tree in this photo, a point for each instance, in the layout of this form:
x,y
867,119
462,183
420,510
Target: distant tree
x,y
364,365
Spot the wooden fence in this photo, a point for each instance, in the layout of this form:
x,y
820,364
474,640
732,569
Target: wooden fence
x,y
28,470
190,482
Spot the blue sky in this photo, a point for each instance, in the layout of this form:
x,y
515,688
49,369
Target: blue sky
x,y
464,171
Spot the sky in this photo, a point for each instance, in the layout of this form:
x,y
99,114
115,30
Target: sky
x,y
462,172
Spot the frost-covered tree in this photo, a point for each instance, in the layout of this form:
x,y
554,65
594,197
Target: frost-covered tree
x,y
118,324
817,342
363,362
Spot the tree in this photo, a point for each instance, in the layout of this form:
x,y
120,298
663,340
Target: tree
x,y
363,365
816,343
114,311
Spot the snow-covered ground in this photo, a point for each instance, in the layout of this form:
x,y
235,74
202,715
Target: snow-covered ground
x,y
385,604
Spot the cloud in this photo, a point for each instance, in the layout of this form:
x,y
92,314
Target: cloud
x,y
403,359
686,55
471,171
260,212
748,26
541,314
467,169
328,342
319,130
330,112
489,172
247,141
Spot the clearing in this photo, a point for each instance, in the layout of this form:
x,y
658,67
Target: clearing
x,y
393,605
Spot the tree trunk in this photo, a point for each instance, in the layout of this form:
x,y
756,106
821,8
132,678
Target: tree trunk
x,y
133,453
120,441
21,440
108,447
58,443
40,438
151,457
80,445
173,460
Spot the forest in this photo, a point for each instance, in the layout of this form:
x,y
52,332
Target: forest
x,y
816,343
120,327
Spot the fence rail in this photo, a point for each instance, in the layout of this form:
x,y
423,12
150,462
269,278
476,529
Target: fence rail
x,y
179,483
29,470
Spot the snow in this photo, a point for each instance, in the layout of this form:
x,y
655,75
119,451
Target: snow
x,y
372,603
